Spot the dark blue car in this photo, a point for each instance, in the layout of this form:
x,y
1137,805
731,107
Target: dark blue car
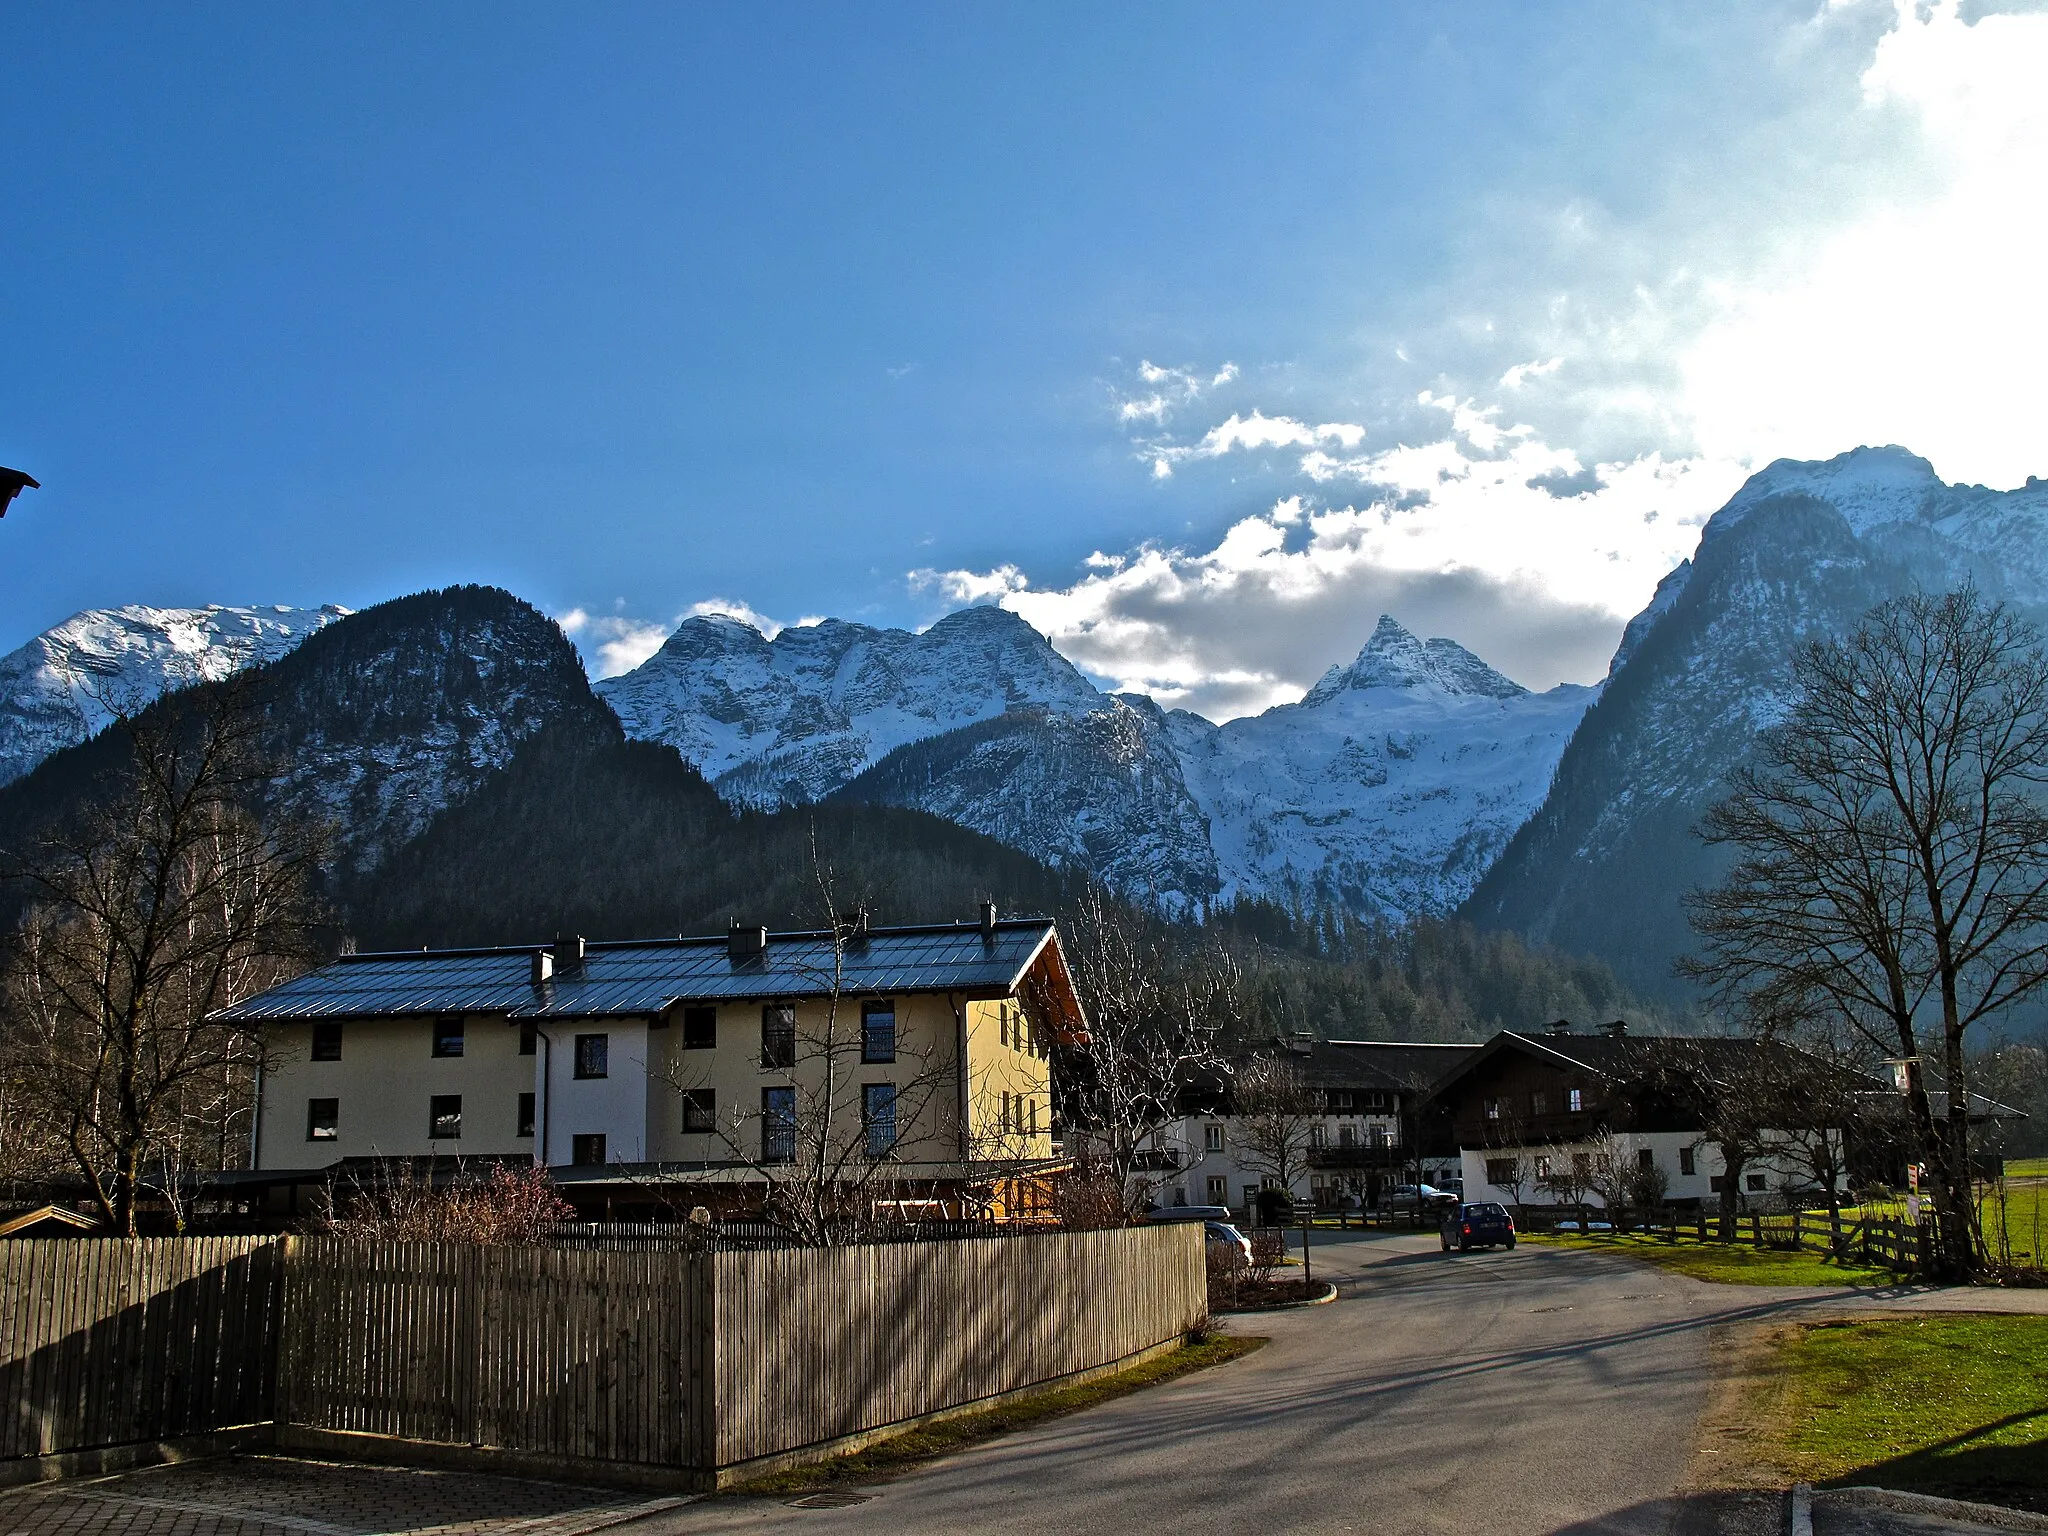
x,y
1481,1224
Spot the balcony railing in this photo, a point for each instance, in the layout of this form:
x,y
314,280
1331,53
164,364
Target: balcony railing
x,y
1390,1155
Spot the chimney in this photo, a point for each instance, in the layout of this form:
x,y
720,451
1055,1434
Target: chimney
x,y
988,922
746,942
1615,1029
1558,1027
543,967
567,953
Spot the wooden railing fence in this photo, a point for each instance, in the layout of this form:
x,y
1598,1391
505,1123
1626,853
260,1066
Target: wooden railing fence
x,y
1879,1240
634,1361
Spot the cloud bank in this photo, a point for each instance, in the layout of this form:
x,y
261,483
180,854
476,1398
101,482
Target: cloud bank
x,y
1488,535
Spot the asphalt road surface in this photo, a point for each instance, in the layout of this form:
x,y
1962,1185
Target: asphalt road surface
x,y
1532,1391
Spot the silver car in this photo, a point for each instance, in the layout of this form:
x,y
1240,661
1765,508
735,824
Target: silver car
x,y
1224,1244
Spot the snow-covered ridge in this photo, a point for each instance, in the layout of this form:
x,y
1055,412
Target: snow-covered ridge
x,y
66,684
796,717
1390,787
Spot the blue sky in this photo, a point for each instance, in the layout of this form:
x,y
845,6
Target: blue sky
x,y
1200,335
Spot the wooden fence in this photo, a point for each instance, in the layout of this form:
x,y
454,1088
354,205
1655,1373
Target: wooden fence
x,y
107,1342
1873,1239
640,1365
819,1344
578,1355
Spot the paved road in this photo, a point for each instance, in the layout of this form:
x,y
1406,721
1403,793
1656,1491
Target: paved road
x,y
1539,1391
1536,1391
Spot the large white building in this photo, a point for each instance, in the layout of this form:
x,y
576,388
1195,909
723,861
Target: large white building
x,y
633,1069
1368,1132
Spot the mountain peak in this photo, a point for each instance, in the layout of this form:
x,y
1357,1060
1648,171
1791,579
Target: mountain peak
x,y
1868,486
1395,658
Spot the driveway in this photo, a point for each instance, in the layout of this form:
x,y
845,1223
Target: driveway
x,y
1532,1391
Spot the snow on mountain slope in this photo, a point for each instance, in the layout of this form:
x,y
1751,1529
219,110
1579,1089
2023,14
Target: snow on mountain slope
x,y
1102,791
1800,552
1390,788
57,690
789,720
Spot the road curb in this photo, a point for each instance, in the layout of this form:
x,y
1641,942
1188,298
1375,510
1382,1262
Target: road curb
x,y
1996,1515
1329,1295
1799,1510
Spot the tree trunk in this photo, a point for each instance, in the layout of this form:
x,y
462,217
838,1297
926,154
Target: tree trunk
x,y
1732,1164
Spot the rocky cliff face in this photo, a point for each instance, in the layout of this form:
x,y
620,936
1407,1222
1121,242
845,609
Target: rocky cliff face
x,y
1802,551
1389,788
395,713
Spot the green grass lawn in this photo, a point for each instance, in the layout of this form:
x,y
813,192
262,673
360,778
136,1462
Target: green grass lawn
x,y
2027,1168
900,1453
2023,1209
1955,1405
1727,1263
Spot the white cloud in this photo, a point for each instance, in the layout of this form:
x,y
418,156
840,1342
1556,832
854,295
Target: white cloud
x,y
612,643
970,586
731,608
1923,320
1490,536
1521,373
1243,433
1165,390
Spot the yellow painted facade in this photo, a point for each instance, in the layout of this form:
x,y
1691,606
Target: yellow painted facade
x,y
972,1078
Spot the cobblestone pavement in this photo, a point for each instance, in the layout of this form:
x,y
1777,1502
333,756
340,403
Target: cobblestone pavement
x,y
286,1496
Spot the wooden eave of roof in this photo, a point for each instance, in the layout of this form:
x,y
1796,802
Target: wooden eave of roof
x,y
1049,991
48,1215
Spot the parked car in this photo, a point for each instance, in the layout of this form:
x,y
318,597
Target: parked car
x,y
1224,1244
1169,1213
1402,1197
1480,1224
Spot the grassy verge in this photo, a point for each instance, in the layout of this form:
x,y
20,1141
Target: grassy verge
x,y
900,1453
1955,1405
1725,1263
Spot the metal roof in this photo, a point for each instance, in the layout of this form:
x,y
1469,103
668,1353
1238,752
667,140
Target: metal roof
x,y
645,977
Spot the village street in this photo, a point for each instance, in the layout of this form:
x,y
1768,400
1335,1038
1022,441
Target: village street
x,y
1511,1393
1516,1393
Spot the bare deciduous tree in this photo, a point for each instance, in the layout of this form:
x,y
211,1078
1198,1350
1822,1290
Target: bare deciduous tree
x,y
1156,1016
823,1154
1893,856
168,901
1276,1114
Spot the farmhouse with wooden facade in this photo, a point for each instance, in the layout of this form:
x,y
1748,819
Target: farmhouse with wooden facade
x,y
1545,1117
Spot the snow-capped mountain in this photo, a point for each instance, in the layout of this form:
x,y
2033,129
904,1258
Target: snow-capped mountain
x,y
65,685
1803,550
1390,788
789,720
1101,791
379,721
